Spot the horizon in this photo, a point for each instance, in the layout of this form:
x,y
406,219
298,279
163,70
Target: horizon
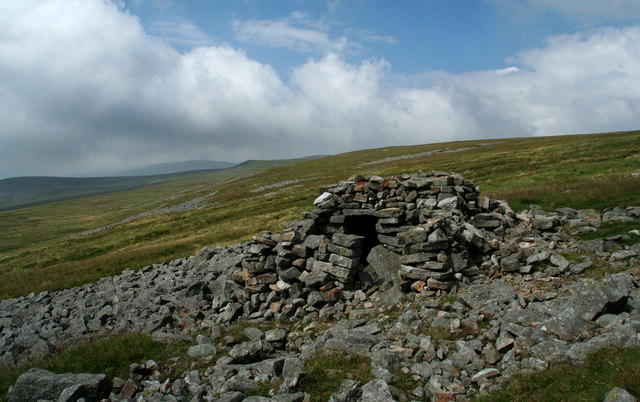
x,y
94,85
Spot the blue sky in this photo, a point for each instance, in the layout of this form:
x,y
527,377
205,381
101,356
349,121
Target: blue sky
x,y
413,36
102,85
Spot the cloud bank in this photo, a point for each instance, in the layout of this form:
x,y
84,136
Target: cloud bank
x,y
83,87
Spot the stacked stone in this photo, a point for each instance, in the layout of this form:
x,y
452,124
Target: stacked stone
x,y
418,217
344,257
426,256
397,202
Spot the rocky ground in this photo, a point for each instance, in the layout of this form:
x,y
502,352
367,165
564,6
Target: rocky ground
x,y
451,295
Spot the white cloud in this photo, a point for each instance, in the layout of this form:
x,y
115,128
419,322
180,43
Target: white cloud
x,y
369,36
181,33
576,83
296,32
84,88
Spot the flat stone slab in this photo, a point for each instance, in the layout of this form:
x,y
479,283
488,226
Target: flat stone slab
x,y
38,384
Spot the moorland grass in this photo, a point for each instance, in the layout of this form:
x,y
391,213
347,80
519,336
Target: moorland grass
x,y
37,252
614,228
604,369
324,373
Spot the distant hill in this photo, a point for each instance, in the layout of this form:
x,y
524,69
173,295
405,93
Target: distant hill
x,y
23,192
20,192
174,167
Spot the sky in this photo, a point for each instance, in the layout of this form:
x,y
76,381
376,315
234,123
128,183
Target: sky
x,y
100,86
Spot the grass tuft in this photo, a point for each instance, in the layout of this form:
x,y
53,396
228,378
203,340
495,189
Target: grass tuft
x,y
610,229
604,369
325,372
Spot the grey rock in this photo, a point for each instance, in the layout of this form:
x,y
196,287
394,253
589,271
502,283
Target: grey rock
x,y
350,340
297,397
347,240
201,350
340,273
559,261
276,335
346,262
290,275
385,263
476,238
37,384
235,396
344,251
256,398
623,336
291,371
588,299
349,391
580,267
618,394
74,393
253,334
377,391
449,203
485,373
553,351
313,241
246,352
510,263
316,278
504,341
315,298
622,255
418,235
292,366
538,257
482,295
386,360
425,370
203,340
544,222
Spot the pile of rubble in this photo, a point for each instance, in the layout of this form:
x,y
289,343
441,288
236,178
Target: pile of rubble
x,y
371,245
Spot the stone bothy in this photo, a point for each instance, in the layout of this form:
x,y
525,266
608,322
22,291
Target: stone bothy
x,y
439,227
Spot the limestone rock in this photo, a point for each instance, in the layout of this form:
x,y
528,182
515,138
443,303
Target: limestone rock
x,y
37,384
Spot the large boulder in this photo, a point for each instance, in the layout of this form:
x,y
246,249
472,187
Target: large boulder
x,y
38,384
386,265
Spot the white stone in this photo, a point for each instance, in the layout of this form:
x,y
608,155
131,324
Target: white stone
x,y
485,373
322,198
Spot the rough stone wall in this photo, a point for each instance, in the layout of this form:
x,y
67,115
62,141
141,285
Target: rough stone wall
x,y
438,223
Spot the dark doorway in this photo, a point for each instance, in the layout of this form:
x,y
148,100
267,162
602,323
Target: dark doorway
x,y
363,226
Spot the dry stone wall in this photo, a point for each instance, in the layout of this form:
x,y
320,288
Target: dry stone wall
x,y
439,225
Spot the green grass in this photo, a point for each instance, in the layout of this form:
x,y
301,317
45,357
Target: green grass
x,y
36,252
604,369
111,356
324,373
610,229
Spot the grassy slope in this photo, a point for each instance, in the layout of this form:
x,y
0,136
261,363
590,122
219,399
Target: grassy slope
x,y
36,253
24,192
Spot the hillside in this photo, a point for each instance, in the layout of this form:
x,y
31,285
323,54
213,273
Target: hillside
x,y
23,192
41,248
174,167
395,288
